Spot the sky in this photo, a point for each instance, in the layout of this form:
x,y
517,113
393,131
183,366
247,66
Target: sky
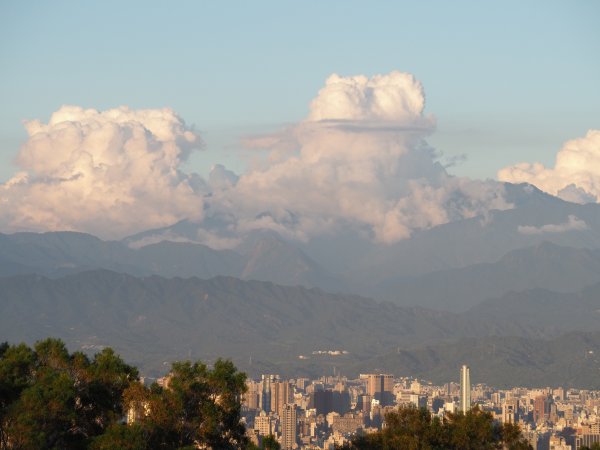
x,y
503,82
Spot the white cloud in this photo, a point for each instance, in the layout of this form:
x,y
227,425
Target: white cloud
x,y
573,223
109,173
575,176
220,178
359,159
396,98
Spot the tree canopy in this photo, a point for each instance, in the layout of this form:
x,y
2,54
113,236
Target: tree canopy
x,y
410,428
53,399
594,446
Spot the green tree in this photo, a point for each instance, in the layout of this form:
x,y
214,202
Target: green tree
x,y
16,366
409,428
474,429
270,443
53,399
512,437
199,406
44,416
3,347
413,429
594,446
106,378
122,437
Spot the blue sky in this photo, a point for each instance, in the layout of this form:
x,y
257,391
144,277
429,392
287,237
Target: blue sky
x,y
507,81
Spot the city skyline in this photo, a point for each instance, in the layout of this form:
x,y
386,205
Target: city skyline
x,y
547,417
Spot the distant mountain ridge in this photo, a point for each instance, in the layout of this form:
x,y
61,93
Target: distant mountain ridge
x,y
263,255
543,242
545,265
152,320
514,285
484,239
355,256
568,360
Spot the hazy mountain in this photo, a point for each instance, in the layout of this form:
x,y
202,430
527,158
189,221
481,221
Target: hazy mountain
x,y
154,319
385,271
570,360
184,259
548,312
545,265
536,217
485,239
270,258
260,255
452,266
58,253
163,318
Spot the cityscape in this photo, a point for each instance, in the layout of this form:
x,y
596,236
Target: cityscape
x,y
323,413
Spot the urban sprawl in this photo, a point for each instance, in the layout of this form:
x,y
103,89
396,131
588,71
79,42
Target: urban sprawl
x,y
319,414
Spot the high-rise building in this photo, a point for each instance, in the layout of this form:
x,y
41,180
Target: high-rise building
x,y
540,409
322,401
341,401
281,393
288,427
465,389
301,383
251,397
381,387
364,403
263,424
510,410
266,393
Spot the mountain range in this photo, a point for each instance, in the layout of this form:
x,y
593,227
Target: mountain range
x,y
267,257
522,281
262,326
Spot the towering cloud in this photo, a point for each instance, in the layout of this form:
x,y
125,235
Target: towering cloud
x,y
576,173
397,97
108,173
359,160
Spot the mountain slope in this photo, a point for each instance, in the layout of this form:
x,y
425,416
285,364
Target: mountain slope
x,y
570,360
538,309
546,265
218,317
484,239
414,271
262,255
154,319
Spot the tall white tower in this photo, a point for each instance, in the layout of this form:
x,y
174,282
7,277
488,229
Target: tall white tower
x,y
465,389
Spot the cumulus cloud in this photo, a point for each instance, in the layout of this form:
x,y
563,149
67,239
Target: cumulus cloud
x,y
396,98
360,159
573,223
575,176
108,173
221,178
